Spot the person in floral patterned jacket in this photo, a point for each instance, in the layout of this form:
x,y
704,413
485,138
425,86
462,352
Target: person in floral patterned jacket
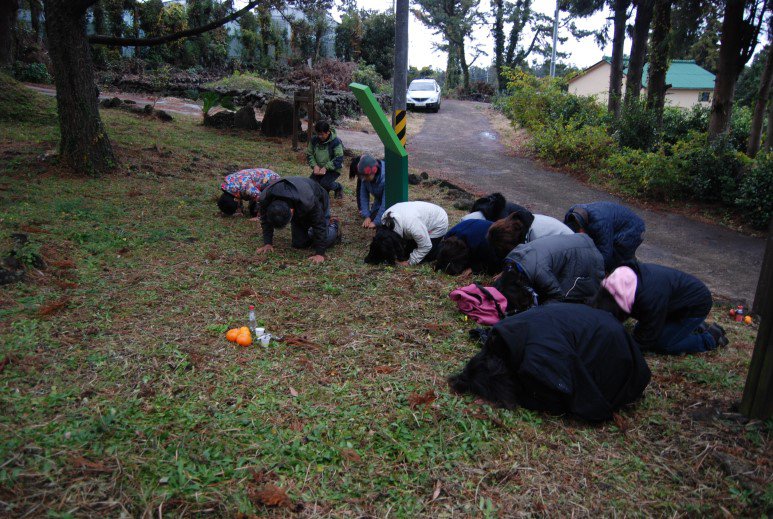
x,y
246,185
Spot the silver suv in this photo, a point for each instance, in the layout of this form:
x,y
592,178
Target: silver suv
x,y
423,93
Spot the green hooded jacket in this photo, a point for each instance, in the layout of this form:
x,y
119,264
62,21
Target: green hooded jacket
x,y
328,154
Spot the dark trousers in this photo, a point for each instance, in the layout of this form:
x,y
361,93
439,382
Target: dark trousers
x,y
681,337
302,235
328,180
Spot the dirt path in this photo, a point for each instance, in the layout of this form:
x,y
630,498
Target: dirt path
x,y
459,144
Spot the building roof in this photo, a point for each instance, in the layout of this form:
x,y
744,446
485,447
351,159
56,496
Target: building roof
x,y
683,74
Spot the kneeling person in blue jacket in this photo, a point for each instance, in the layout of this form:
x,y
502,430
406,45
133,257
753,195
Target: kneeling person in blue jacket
x,y
304,204
465,250
616,230
371,173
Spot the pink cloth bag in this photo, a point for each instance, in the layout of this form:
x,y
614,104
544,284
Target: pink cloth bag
x,y
486,305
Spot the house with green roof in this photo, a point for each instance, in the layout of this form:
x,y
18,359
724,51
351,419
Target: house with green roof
x,y
690,84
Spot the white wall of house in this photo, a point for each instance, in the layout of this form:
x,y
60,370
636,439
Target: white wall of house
x,y
596,83
684,98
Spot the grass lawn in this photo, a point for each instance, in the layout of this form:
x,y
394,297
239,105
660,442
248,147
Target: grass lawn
x,y
121,396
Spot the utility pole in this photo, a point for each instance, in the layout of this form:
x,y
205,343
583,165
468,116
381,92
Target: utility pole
x,y
555,42
401,69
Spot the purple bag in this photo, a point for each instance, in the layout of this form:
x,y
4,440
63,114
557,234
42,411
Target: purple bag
x,y
486,305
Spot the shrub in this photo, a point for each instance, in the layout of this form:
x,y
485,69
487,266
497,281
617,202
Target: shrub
x,y
678,122
740,127
654,175
328,73
32,73
534,102
581,146
243,81
755,194
713,169
367,75
636,128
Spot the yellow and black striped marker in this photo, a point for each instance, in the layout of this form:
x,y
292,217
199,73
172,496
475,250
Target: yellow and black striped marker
x,y
400,122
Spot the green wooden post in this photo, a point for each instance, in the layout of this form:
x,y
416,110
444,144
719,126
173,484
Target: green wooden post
x,y
395,156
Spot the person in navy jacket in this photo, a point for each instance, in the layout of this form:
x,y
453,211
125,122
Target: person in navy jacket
x,y
616,230
669,305
465,250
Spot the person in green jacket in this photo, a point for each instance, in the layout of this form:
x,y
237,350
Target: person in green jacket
x,y
326,158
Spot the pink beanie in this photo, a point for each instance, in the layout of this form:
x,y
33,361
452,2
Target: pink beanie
x,y
621,284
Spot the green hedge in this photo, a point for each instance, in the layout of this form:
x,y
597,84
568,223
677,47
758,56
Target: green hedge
x,y
633,156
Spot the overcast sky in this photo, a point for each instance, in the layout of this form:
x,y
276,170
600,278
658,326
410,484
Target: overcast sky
x,y
582,53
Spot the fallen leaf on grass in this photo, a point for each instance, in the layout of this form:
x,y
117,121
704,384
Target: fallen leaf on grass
x,y
436,492
33,229
62,264
80,462
54,306
246,292
61,283
270,495
293,391
620,422
351,455
385,369
3,363
415,399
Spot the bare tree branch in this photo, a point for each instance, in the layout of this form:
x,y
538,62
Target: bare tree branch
x,y
147,42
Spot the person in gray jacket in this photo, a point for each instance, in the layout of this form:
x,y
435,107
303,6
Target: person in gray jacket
x,y
555,268
522,227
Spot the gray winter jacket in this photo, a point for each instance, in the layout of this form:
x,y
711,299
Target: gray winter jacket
x,y
566,267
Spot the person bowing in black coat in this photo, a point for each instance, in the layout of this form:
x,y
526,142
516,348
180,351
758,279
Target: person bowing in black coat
x,y
669,305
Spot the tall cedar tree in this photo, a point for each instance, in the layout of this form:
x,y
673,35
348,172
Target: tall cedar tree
x,y
641,32
659,49
620,9
763,98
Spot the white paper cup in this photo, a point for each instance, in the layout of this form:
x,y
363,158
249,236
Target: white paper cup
x,y
260,331
265,340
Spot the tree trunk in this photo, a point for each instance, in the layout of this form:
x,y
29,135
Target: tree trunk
x,y
755,133
618,42
659,49
641,32
499,42
84,144
452,67
463,64
8,10
35,18
724,85
769,136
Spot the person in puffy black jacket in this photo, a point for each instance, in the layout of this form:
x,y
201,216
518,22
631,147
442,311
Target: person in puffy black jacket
x,y
616,230
305,204
560,358
669,305
492,207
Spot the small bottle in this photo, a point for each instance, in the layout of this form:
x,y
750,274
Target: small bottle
x,y
253,324
739,314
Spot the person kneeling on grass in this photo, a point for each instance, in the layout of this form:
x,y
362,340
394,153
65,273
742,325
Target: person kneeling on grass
x,y
669,305
522,227
465,250
616,230
492,207
559,358
371,174
404,226
325,155
244,185
304,204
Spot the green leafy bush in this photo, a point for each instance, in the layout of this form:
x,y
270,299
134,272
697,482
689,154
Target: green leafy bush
x,y
534,102
678,122
655,175
574,144
32,73
713,169
242,81
213,99
740,127
755,194
367,75
636,128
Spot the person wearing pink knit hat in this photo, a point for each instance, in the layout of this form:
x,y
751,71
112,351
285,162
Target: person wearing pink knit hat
x,y
670,306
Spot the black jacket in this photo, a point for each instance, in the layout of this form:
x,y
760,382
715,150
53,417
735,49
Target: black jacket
x,y
664,294
494,207
310,202
568,358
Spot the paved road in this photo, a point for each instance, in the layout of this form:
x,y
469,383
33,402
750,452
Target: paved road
x,y
459,144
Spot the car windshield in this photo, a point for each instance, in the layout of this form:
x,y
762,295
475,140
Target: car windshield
x,y
421,86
